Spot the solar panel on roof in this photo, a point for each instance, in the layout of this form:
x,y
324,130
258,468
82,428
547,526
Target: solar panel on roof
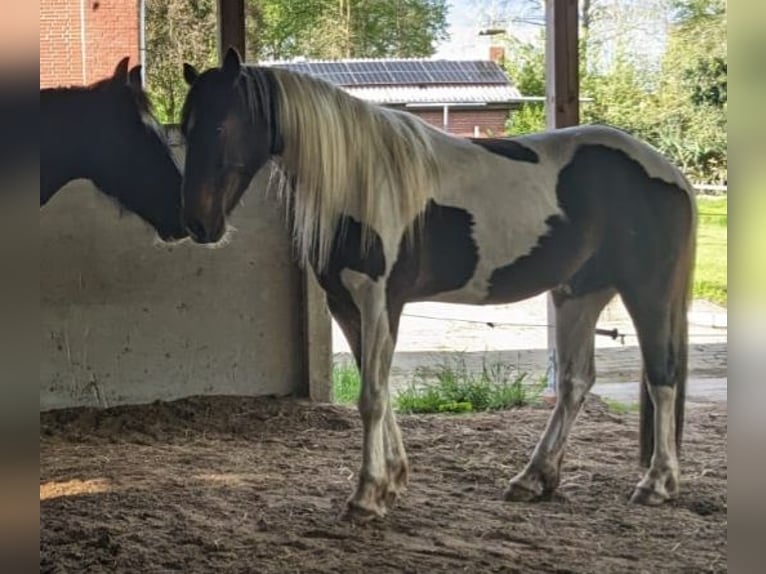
x,y
403,72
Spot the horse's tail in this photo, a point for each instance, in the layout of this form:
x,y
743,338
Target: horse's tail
x,y
679,341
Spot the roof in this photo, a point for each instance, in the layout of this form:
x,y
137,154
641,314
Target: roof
x,y
414,81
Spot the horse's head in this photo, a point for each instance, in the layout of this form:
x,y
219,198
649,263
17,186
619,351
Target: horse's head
x,y
130,157
228,126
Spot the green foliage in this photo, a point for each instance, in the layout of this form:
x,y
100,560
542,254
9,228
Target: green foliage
x,y
177,31
346,28
526,68
448,388
679,107
621,408
451,387
345,383
692,100
181,31
528,119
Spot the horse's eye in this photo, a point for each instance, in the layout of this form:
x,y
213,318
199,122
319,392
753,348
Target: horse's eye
x,y
219,130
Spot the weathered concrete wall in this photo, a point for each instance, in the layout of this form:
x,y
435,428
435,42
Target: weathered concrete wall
x,y
125,320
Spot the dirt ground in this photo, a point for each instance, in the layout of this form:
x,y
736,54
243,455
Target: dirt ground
x,y
256,485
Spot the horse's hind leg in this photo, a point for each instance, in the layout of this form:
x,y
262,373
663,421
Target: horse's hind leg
x,y
575,331
661,330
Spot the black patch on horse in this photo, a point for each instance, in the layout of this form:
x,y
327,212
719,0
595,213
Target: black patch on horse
x,y
441,256
582,250
508,148
346,253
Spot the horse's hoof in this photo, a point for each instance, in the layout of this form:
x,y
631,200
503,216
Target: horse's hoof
x,y
520,492
397,483
648,497
357,513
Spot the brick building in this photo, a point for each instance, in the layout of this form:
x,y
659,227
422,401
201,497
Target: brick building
x,y
81,41
465,98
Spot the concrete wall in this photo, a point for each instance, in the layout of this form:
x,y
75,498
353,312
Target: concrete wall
x,y
128,321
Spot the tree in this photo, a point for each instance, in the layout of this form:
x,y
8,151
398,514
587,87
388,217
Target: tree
x,y
177,31
692,100
655,68
347,28
525,65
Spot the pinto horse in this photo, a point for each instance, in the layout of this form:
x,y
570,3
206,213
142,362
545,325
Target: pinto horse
x,y
388,210
106,133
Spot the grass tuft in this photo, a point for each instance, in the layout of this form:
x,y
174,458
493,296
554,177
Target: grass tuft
x,y
345,383
451,387
621,408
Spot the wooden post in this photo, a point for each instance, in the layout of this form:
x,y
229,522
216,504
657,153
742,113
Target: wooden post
x,y
315,320
231,27
562,106
562,64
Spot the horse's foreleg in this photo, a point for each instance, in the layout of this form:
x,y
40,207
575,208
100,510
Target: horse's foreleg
x,y
372,492
396,457
575,323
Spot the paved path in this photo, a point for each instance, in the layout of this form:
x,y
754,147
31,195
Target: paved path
x,y
434,333
697,391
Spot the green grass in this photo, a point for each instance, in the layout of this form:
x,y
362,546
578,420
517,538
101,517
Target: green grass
x,y
448,388
621,408
710,274
451,387
345,383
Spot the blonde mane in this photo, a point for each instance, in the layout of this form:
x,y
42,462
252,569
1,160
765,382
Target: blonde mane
x,y
343,155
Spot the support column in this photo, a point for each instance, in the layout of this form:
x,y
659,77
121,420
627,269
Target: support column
x,y
316,325
562,105
231,27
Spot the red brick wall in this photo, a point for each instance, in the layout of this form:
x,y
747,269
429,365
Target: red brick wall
x,y
111,33
461,122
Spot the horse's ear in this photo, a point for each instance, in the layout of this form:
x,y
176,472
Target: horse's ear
x,y
134,78
190,73
120,75
232,63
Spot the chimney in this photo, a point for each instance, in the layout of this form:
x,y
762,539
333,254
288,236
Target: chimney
x,y
497,55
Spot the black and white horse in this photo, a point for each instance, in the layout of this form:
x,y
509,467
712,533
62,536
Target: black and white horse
x,y
106,133
388,210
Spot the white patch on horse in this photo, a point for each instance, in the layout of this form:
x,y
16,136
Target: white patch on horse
x,y
480,181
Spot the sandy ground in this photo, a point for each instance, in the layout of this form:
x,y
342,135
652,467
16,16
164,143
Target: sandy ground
x,y
256,485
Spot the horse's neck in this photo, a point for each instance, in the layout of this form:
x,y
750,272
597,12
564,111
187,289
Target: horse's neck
x,y
65,133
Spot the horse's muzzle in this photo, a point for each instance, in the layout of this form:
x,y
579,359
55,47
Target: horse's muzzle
x,y
202,233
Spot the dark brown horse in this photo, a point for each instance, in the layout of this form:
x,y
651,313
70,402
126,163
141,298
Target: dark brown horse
x,y
106,133
388,210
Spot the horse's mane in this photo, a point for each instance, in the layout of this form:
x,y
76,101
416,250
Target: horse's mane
x,y
343,155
